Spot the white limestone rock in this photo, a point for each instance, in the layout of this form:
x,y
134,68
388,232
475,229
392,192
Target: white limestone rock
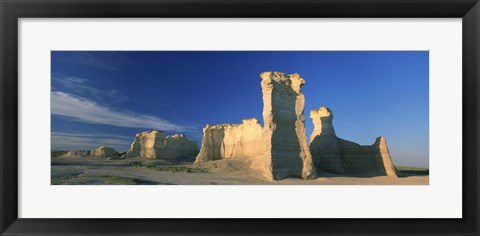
x,y
156,145
324,144
334,155
243,141
77,153
279,149
103,151
287,152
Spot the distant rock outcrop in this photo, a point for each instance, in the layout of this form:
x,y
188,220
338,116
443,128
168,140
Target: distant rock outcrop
x,y
101,151
279,149
334,155
77,153
156,145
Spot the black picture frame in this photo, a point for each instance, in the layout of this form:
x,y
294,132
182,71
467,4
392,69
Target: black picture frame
x,y
12,10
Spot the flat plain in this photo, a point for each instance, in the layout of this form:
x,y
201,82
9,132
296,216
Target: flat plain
x,y
142,171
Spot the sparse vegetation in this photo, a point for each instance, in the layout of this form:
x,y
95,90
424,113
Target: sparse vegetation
x,y
105,179
168,168
136,164
119,180
408,170
175,168
62,179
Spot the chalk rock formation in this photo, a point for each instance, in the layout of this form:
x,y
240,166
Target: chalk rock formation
x,y
242,141
334,155
287,152
156,145
77,153
324,144
279,149
103,151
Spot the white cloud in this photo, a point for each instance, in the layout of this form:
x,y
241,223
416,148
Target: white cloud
x,y
78,86
68,105
74,79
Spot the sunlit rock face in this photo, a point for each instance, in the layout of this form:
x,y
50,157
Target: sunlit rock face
x,y
279,149
287,152
242,141
156,145
101,151
334,155
77,153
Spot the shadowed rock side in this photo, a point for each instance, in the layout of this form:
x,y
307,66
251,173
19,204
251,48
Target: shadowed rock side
x,y
279,149
156,145
334,155
101,151
243,141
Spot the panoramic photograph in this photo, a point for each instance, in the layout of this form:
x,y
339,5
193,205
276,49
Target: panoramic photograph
x,y
239,118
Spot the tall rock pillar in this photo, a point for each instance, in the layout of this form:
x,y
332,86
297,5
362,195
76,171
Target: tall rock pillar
x,y
324,145
286,151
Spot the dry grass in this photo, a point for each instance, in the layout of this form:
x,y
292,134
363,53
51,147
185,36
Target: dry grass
x,y
409,170
168,168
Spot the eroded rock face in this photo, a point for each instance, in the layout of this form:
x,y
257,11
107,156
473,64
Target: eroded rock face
x,y
279,149
77,153
287,153
156,145
242,141
324,144
334,155
101,151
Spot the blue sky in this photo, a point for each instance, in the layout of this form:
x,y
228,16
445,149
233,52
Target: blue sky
x,y
106,97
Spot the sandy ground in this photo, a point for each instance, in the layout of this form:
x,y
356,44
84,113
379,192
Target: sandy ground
x,y
99,171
